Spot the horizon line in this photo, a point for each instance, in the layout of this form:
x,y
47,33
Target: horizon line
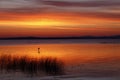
x,y
69,37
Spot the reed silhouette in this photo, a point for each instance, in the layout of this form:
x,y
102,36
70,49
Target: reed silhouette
x,y
48,65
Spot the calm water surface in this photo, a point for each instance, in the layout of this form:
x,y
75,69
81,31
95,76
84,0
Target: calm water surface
x,y
89,59
67,52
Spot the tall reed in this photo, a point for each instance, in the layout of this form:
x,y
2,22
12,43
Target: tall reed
x,y
48,65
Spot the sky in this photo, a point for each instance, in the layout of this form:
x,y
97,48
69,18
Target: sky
x,y
59,18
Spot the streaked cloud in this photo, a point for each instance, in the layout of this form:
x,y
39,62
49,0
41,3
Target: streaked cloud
x,y
100,8
62,14
16,3
83,3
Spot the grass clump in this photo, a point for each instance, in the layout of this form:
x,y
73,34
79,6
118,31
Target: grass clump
x,y
48,65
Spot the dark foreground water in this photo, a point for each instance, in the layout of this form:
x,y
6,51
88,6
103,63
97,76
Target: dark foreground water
x,y
83,59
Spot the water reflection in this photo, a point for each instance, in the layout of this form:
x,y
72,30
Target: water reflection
x,y
83,59
72,53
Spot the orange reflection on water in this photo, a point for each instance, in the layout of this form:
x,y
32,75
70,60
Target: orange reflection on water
x,y
69,53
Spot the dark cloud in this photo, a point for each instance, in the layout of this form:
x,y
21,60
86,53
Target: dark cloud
x,y
61,3
82,3
87,8
25,10
17,3
103,15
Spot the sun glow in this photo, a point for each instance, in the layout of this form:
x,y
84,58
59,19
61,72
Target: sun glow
x,y
36,23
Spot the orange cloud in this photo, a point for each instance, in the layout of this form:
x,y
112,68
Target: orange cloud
x,y
59,23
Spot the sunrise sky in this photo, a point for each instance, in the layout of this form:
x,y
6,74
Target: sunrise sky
x,y
59,18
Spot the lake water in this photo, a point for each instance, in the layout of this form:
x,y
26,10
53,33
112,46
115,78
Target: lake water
x,y
88,58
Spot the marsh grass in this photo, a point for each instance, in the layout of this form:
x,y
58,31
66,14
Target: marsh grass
x,y
48,65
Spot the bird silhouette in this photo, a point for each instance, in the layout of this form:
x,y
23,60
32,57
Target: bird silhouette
x,y
38,50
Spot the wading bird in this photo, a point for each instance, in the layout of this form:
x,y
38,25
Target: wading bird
x,y
38,50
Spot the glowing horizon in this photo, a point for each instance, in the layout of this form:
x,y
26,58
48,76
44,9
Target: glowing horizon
x,y
59,18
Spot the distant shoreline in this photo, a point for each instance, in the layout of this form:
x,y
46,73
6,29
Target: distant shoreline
x,y
42,38
58,41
